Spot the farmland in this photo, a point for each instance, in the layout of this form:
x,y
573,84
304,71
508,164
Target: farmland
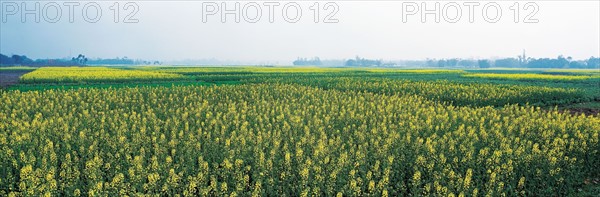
x,y
532,76
92,74
301,131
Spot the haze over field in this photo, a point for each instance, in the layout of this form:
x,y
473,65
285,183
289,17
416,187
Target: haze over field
x,y
175,31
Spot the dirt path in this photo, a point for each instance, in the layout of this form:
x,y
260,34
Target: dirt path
x,y
586,111
8,78
587,108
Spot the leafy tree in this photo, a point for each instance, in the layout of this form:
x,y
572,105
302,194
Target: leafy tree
x,y
593,62
316,61
5,60
358,61
507,62
484,63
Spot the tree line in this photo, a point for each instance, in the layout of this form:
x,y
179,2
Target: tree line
x,y
520,62
558,62
357,61
79,60
22,60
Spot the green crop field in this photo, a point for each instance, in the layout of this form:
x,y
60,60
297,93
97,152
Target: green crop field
x,y
299,131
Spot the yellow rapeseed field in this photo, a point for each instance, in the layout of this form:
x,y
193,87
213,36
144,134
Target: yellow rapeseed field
x,y
461,94
531,76
92,74
279,139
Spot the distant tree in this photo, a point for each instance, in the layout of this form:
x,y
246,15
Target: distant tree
x,y
116,60
351,62
577,64
484,63
431,62
358,61
21,60
562,62
17,59
593,62
79,60
559,62
452,62
507,62
441,63
468,63
6,61
523,59
539,63
316,61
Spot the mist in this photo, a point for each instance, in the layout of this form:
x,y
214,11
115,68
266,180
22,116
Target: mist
x,y
183,31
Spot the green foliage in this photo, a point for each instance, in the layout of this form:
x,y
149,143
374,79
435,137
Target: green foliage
x,y
17,68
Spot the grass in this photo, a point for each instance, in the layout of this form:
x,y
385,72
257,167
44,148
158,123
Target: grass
x,y
17,68
530,76
420,71
595,71
289,69
504,71
200,70
586,107
37,87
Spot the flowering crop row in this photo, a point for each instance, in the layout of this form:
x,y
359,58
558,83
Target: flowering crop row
x,y
459,94
92,74
284,140
547,77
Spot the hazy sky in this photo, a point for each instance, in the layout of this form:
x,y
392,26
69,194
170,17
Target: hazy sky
x,y
373,29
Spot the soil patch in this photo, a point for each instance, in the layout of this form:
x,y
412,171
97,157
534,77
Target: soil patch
x,y
8,78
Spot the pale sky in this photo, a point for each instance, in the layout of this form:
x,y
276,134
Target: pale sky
x,y
373,29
